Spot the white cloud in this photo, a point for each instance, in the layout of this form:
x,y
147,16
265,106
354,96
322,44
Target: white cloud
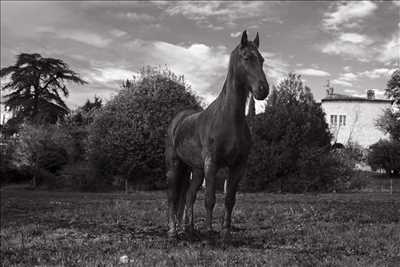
x,y
227,12
362,48
85,37
106,75
348,76
377,73
390,50
235,34
204,67
350,91
313,72
348,49
355,38
345,79
82,36
347,68
118,33
379,93
275,68
136,17
348,14
341,82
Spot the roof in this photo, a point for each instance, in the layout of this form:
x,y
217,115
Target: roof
x,y
339,97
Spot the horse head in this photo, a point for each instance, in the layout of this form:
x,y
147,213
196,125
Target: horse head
x,y
250,64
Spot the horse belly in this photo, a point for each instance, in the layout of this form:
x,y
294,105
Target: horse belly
x,y
189,151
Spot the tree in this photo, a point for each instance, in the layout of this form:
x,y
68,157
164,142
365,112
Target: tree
x,y
290,142
127,136
385,154
41,148
389,123
393,87
35,86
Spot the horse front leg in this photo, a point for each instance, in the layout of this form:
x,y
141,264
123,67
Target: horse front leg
x,y
236,173
210,171
197,179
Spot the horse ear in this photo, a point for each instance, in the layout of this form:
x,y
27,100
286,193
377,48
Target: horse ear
x,y
257,41
243,42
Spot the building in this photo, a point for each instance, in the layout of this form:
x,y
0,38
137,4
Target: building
x,y
353,119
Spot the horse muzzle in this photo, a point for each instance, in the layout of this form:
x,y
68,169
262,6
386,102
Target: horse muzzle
x,y
262,91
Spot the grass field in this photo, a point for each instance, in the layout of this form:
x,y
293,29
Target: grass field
x,y
78,229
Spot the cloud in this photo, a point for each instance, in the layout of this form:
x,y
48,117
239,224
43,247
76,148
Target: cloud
x,y
227,12
364,49
136,17
355,38
348,76
348,49
346,68
106,75
390,50
377,73
118,33
341,82
204,67
350,91
81,36
380,93
275,68
313,72
347,14
85,37
345,79
235,34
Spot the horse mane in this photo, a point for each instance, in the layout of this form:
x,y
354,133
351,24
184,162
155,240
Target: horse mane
x,y
233,59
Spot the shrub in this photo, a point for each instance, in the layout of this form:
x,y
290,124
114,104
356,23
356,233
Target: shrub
x,y
127,136
291,142
385,155
42,149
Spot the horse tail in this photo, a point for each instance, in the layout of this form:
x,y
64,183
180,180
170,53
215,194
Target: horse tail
x,y
178,179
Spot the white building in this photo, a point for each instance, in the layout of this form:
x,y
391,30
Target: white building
x,y
353,119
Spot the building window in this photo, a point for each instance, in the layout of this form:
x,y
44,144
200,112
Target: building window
x,y
342,120
333,119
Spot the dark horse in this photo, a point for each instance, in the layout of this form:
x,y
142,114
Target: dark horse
x,y
202,142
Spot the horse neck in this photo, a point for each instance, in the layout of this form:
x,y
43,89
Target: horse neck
x,y
233,96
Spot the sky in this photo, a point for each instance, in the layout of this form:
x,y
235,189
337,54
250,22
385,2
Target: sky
x,y
354,45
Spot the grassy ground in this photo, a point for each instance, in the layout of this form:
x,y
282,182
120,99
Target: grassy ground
x,y
77,229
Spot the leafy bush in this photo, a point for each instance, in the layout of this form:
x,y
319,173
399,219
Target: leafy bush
x,y
291,143
42,148
385,154
127,136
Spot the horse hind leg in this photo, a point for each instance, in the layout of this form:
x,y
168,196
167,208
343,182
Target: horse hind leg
x,y
183,185
178,181
172,174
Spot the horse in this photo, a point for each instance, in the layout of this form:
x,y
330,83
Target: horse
x,y
202,142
